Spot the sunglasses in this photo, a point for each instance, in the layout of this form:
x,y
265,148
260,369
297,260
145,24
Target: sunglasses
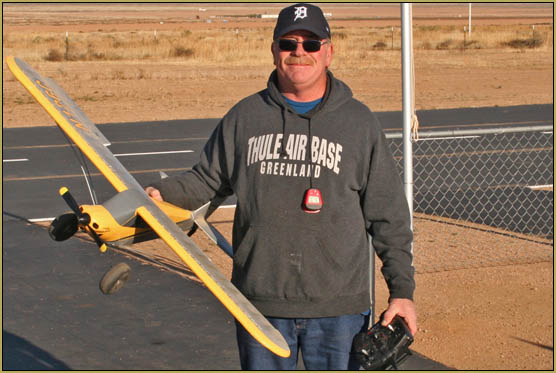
x,y
289,45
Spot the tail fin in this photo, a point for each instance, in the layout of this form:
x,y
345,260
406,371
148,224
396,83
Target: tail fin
x,y
199,216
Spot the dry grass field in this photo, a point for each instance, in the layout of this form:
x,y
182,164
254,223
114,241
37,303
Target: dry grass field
x,y
131,63
200,63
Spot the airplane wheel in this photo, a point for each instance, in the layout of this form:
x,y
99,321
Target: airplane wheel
x,y
114,278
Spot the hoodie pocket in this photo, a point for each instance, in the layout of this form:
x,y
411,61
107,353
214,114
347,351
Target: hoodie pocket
x,y
262,265
271,263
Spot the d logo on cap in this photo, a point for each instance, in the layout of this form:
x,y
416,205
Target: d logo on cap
x,y
300,12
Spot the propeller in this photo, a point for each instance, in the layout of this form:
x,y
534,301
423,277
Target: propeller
x,y
70,201
63,227
66,225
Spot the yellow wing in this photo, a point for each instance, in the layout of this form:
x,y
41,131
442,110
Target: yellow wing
x,y
239,306
92,143
74,123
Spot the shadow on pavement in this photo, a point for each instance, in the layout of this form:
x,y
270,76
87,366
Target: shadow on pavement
x,y
20,354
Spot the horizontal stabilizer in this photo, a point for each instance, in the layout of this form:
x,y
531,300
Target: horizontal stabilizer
x,y
213,233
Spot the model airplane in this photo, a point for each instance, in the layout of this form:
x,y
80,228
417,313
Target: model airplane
x,y
131,215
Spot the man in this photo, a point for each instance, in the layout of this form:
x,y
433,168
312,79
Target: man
x,y
313,175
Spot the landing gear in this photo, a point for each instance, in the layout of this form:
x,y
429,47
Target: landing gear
x,y
114,278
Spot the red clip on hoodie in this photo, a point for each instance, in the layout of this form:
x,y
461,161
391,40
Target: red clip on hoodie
x,y
287,262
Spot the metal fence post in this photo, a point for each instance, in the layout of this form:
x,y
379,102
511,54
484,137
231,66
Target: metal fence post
x,y
372,310
407,104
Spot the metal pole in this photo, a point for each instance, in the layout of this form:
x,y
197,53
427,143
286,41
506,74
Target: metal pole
x,y
469,19
424,134
407,104
372,280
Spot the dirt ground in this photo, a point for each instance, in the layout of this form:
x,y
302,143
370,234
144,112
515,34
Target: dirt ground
x,y
485,300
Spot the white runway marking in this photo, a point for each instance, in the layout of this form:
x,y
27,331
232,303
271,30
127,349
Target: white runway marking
x,y
117,155
154,153
447,138
40,220
546,186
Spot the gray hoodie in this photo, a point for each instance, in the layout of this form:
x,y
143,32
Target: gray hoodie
x,y
287,262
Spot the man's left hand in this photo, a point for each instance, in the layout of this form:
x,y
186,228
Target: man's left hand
x,y
405,308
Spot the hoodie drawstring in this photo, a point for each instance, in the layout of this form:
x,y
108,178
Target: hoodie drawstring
x,y
310,140
283,152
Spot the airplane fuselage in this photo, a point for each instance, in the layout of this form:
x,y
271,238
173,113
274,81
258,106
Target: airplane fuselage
x,y
116,221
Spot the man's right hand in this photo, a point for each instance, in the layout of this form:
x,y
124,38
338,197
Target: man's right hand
x,y
154,194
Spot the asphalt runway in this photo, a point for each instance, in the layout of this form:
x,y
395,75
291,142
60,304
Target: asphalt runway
x,y
55,317
38,161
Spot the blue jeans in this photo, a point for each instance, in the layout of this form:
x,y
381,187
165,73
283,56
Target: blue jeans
x,y
325,344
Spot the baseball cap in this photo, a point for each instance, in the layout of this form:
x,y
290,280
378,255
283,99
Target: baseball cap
x,y
302,17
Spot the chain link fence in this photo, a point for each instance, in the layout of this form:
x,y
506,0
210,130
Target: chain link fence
x,y
498,180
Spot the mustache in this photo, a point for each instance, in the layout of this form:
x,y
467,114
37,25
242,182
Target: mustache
x,y
293,60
